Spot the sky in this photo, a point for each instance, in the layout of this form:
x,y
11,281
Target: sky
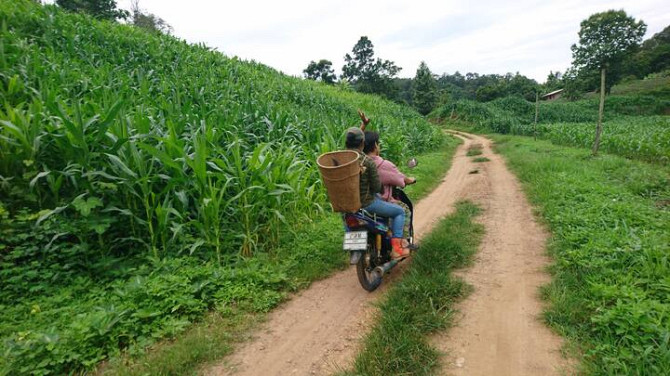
x,y
532,37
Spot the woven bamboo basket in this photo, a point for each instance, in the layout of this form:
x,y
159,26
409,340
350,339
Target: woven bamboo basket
x,y
340,171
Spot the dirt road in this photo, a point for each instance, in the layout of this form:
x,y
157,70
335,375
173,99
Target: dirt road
x,y
318,331
499,331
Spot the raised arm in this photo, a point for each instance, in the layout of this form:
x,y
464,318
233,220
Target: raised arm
x,y
364,120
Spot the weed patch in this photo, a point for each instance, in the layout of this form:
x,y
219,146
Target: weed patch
x,y
474,150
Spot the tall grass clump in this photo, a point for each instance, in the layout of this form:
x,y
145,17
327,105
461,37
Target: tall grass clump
x,y
138,173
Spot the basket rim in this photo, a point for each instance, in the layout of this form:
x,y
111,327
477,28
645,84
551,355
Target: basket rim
x,y
333,152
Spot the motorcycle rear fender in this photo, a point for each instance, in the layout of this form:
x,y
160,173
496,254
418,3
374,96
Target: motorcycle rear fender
x,y
366,223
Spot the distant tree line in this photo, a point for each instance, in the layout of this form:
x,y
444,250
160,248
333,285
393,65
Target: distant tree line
x,y
365,73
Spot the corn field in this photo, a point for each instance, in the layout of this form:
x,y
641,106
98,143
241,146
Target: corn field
x,y
151,143
633,126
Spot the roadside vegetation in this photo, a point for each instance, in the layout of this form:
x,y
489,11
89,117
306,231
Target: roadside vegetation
x,y
300,259
635,126
609,218
422,302
145,182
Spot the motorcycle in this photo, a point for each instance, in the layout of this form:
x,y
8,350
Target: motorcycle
x,y
368,238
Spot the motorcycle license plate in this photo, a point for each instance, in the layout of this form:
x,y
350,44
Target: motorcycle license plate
x,y
355,240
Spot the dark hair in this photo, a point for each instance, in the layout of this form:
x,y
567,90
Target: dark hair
x,y
371,139
353,140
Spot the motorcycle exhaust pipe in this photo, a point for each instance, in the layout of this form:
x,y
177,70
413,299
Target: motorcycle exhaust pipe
x,y
384,268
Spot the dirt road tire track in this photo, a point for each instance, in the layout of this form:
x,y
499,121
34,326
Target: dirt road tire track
x,y
318,331
499,331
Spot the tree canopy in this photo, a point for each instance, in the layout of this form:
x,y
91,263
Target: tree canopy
x,y
653,56
101,9
367,74
554,82
606,38
424,91
148,21
321,71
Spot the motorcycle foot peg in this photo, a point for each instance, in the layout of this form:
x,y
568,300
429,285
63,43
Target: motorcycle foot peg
x,y
354,257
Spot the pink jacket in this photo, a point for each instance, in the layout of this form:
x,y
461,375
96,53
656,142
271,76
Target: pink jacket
x,y
390,177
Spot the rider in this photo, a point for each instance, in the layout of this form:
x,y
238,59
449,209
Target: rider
x,y
370,187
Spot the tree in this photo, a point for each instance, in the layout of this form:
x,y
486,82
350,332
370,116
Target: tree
x,y
424,93
321,71
148,21
490,92
403,90
100,9
653,57
573,85
368,75
553,82
521,86
605,39
451,87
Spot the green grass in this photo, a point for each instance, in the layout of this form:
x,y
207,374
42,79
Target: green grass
x,y
472,152
610,225
212,338
422,301
480,159
301,260
640,137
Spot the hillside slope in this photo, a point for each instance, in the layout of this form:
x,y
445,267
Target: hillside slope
x,y
109,111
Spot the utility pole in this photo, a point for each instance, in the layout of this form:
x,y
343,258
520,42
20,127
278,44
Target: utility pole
x,y
537,111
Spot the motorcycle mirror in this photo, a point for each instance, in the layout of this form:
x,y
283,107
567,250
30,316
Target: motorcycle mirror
x,y
412,163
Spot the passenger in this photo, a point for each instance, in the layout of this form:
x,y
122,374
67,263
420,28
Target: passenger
x,y
370,187
389,175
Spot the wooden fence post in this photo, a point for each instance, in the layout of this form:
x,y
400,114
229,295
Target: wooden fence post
x,y
537,110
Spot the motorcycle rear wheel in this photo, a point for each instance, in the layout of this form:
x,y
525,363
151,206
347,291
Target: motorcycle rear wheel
x,y
365,268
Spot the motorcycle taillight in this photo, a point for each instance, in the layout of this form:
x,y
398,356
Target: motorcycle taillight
x,y
352,221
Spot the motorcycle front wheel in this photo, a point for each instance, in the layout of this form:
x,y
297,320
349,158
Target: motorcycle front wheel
x,y
365,268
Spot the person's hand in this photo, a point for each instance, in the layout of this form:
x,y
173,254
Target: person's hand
x,y
410,181
364,119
